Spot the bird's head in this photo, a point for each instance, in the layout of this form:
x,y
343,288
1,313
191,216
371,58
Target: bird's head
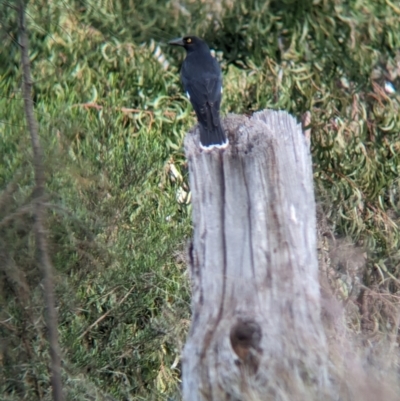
x,y
190,43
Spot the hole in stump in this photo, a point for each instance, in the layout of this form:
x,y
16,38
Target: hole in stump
x,y
245,334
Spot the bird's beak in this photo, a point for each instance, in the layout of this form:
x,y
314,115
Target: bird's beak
x,y
177,42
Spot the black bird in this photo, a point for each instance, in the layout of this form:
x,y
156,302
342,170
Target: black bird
x,y
202,81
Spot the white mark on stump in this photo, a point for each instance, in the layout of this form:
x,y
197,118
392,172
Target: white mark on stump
x,y
293,214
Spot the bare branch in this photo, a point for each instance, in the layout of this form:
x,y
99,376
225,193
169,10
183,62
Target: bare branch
x,y
39,211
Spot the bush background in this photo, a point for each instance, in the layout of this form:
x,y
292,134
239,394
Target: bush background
x,y
112,120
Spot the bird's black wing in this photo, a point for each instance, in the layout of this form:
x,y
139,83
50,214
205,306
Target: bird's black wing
x,y
204,91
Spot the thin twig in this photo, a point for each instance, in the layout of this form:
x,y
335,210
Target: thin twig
x,y
127,110
20,212
102,317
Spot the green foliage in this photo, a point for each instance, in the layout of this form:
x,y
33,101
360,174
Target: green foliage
x,y
112,120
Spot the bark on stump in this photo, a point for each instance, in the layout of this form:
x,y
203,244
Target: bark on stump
x,y
256,330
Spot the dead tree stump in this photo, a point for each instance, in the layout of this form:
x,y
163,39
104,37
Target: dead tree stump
x,y
256,330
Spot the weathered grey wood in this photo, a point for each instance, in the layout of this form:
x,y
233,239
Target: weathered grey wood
x,y
256,331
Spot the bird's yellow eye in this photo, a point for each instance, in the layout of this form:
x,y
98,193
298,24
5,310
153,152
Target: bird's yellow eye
x,y
188,40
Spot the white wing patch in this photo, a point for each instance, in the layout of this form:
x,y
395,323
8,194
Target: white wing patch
x,y
187,94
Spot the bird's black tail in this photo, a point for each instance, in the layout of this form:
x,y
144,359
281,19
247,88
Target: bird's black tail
x,y
213,138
